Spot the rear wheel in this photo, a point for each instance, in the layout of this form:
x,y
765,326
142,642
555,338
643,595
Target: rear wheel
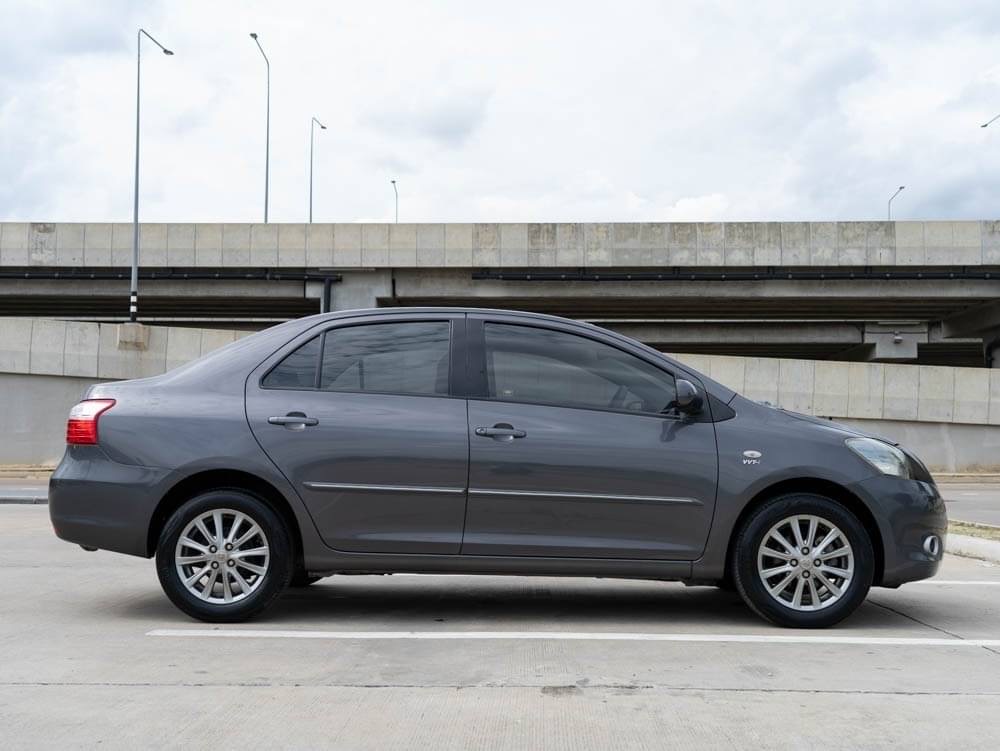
x,y
223,557
803,561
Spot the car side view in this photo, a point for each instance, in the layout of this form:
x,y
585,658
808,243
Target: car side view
x,y
463,441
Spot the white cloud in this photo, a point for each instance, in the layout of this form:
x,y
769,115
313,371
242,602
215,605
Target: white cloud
x,y
515,111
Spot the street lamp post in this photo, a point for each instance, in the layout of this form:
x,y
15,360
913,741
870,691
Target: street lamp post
x,y
901,189
267,127
133,300
312,130
395,190
986,124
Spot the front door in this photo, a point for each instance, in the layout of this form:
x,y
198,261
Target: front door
x,y
572,454
361,421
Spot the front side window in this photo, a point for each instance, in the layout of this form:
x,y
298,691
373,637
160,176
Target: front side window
x,y
398,358
527,364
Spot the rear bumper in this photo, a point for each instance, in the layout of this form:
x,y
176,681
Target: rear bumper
x,y
908,513
99,503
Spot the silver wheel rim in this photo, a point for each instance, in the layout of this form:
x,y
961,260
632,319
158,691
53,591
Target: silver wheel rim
x,y
805,562
222,556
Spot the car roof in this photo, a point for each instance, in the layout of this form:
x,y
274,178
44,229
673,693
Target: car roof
x,y
408,309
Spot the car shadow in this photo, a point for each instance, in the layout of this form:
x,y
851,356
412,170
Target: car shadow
x,y
409,603
517,603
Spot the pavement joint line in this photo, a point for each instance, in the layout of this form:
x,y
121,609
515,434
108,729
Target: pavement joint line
x,y
489,687
920,622
577,636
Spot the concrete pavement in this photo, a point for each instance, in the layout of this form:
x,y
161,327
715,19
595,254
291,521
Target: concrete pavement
x,y
78,667
973,502
17,490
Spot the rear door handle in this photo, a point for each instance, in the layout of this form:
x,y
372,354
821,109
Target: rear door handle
x,y
293,420
501,431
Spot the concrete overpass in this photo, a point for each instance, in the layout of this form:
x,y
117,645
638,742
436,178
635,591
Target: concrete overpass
x,y
921,292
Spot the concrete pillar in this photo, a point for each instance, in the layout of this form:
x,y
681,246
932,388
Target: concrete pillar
x,y
895,342
357,289
991,348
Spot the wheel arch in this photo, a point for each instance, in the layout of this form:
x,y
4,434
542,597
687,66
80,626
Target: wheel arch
x,y
222,479
818,486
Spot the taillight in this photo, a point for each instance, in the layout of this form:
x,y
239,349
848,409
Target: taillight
x,y
81,428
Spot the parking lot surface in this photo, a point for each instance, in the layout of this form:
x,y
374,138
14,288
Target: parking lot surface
x,y
16,490
92,653
977,502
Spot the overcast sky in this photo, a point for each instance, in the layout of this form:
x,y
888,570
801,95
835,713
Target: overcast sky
x,y
503,111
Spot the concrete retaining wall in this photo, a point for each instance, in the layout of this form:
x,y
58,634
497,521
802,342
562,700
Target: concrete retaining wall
x,y
33,416
950,416
345,246
94,350
859,390
33,423
869,391
943,446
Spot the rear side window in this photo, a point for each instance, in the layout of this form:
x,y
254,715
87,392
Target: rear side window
x,y
297,370
396,358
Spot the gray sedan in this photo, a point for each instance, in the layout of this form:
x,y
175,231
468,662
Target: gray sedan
x,y
437,440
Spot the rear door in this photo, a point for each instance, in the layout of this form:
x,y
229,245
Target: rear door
x,y
574,453
361,419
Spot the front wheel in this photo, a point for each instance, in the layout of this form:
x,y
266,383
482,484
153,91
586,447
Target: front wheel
x,y
223,557
803,561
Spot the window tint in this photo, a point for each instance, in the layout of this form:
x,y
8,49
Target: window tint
x,y
399,358
297,370
526,364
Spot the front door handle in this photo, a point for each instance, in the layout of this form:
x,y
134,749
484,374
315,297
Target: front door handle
x,y
293,420
501,432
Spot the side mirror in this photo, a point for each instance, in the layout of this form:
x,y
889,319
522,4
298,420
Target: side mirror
x,y
689,399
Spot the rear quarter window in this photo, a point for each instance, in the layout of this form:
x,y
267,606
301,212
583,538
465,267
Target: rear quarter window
x,y
297,370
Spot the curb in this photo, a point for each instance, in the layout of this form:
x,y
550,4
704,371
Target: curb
x,y
37,500
973,547
972,478
26,471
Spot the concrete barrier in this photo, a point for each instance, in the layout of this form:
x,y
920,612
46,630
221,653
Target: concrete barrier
x,y
860,390
95,350
950,416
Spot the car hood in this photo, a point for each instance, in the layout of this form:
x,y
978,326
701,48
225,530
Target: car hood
x,y
831,424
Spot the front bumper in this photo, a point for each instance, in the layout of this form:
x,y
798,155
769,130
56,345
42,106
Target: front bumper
x,y
908,513
99,503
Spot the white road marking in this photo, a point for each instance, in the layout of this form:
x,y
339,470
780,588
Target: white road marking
x,y
880,641
959,582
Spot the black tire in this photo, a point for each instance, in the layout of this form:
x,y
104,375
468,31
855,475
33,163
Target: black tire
x,y
273,581
302,579
750,585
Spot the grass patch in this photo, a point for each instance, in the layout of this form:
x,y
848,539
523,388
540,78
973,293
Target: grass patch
x,y
984,531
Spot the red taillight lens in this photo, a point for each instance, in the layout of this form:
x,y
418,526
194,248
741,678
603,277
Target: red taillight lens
x,y
81,428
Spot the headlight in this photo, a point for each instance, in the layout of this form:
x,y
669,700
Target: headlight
x,y
887,459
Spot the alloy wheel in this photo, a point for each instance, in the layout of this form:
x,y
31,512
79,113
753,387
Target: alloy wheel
x,y
805,562
222,556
